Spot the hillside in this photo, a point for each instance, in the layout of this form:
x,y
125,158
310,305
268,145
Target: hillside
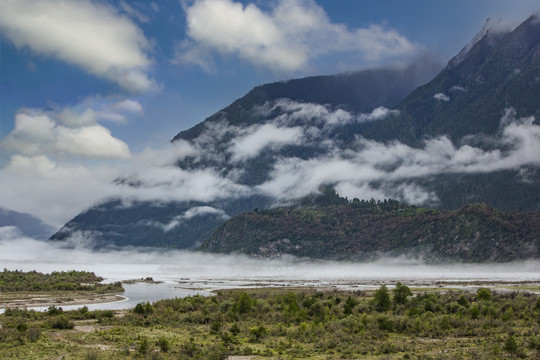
x,y
366,230
470,135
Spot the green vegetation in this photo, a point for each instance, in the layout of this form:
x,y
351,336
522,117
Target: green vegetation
x,y
335,228
15,281
389,323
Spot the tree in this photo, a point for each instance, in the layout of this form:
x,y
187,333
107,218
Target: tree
x,y
244,303
401,293
483,294
382,299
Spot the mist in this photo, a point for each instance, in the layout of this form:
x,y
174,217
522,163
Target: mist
x,y
24,253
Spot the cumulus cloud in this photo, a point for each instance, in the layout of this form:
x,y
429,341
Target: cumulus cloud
x,y
93,36
288,37
35,133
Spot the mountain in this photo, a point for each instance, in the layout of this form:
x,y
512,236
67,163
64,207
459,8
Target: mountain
x,y
470,135
367,230
185,224
27,224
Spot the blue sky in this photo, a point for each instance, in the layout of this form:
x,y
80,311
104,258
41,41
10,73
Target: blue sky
x,y
84,83
187,93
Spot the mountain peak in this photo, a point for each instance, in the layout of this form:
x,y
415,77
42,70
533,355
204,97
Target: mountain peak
x,y
482,34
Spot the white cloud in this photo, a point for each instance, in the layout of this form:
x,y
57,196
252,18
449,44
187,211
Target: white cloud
x,y
189,214
84,33
35,133
441,97
129,105
287,38
52,192
353,171
257,138
311,114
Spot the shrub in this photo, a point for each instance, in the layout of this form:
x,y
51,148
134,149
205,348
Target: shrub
x,y
33,333
257,333
61,322
53,310
143,347
511,345
401,293
382,299
475,312
483,294
163,344
463,301
244,303
91,354
349,306
143,308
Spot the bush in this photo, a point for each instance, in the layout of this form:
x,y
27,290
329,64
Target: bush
x,y
33,333
143,308
61,322
163,344
91,355
511,345
244,303
257,333
143,347
53,310
349,306
463,301
483,294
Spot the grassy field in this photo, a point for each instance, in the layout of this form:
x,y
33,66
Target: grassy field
x,y
281,323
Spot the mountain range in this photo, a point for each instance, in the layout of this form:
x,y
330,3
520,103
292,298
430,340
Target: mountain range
x,y
470,134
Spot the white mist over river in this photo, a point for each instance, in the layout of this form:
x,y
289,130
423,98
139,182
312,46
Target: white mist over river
x,y
194,271
172,265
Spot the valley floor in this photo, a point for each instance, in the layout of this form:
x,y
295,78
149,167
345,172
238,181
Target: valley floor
x,y
293,323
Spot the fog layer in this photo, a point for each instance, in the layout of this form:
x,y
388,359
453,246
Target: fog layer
x,y
24,253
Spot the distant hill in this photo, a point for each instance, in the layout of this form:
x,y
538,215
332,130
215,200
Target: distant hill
x,y
27,224
366,230
470,135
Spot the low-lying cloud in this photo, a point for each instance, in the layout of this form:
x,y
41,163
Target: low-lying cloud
x,y
353,171
188,215
54,188
24,253
257,138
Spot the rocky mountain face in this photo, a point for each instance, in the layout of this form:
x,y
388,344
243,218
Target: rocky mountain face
x,y
469,135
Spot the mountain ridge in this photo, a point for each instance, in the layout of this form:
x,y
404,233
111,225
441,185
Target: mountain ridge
x,y
469,135
363,230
